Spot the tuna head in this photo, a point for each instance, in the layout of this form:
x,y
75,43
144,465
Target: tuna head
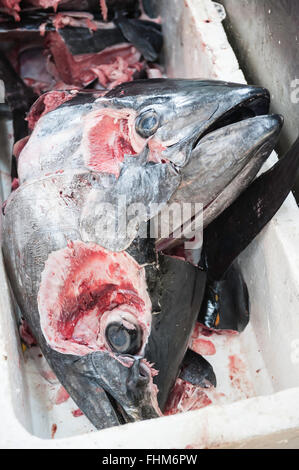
x,y
169,117
154,141
105,308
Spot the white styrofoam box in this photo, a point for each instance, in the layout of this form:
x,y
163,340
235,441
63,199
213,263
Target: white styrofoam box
x,y
258,409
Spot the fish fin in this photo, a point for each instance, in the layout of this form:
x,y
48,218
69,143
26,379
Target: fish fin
x,y
146,36
226,303
172,327
140,160
227,236
151,8
79,379
197,370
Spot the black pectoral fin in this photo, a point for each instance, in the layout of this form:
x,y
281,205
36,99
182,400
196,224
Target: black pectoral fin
x,y
80,381
83,41
227,236
146,36
177,290
151,8
197,370
226,303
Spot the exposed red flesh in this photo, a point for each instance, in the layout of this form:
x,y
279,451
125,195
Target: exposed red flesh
x,y
104,9
106,154
12,7
203,347
46,103
12,4
81,70
75,19
45,3
26,334
186,397
82,286
54,67
109,135
53,430
61,396
15,184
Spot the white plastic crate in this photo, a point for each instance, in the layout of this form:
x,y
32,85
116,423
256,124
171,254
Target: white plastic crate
x,y
259,408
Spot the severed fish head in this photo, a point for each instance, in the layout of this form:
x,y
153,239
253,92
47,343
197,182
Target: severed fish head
x,y
110,313
153,141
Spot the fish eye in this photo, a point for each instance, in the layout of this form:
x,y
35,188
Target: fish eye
x,y
123,340
147,123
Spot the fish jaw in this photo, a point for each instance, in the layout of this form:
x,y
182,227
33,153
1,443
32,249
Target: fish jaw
x,y
129,380
109,390
221,166
236,227
221,155
265,135
225,162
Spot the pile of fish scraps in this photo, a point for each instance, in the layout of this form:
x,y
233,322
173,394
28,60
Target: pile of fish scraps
x,y
118,314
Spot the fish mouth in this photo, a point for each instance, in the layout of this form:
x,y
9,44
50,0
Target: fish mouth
x,y
187,110
109,389
252,107
202,108
127,383
139,402
225,158
122,415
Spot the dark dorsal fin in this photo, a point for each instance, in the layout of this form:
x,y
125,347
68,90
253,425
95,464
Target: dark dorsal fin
x,y
19,96
227,236
197,371
151,8
146,36
226,303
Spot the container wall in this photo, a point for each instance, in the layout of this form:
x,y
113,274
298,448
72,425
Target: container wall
x,y
265,36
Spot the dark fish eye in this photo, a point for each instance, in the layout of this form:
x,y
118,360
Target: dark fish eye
x,y
147,123
123,340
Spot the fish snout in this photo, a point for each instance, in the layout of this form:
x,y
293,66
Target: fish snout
x,y
128,380
138,380
225,161
273,123
202,107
